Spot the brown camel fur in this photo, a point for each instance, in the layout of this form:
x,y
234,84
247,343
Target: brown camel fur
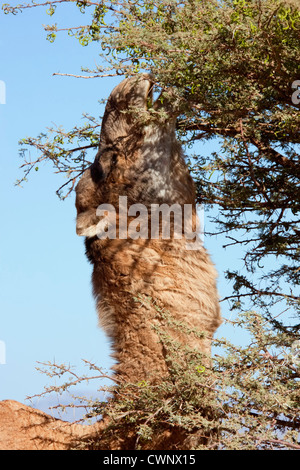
x,y
143,161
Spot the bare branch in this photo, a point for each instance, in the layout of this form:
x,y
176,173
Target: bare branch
x,y
87,76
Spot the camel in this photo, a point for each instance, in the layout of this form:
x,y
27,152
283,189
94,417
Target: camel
x,y
140,162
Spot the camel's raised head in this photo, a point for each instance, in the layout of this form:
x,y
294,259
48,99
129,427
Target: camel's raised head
x,y
139,156
125,109
134,91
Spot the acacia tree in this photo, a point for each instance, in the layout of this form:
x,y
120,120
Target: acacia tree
x,y
231,69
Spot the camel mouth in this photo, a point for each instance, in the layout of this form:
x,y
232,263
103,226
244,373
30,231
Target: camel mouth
x,y
149,96
154,96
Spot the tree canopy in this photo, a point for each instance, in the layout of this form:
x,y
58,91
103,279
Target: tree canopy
x,y
231,69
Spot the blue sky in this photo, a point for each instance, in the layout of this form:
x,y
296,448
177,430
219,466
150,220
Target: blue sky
x,y
47,311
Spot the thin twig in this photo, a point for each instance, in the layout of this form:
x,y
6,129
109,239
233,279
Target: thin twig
x,y
88,76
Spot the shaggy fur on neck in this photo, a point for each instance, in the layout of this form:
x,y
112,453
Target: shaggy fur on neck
x,y
144,162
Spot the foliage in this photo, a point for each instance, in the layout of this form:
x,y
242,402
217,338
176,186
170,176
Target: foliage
x,y
247,399
230,69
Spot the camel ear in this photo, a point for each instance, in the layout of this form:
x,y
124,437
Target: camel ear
x,y
86,224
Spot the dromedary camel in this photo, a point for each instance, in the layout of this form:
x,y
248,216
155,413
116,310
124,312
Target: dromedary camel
x,y
142,161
